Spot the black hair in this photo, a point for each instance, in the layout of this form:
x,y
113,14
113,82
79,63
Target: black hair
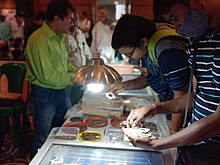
x,y
4,47
130,29
17,42
41,15
59,8
84,13
159,20
21,14
161,7
2,18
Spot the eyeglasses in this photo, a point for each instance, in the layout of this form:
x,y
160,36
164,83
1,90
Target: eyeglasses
x,y
131,54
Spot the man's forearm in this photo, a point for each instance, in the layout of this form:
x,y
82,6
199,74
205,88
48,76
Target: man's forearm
x,y
138,83
174,106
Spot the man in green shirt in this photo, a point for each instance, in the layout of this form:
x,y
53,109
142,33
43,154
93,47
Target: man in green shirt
x,y
49,70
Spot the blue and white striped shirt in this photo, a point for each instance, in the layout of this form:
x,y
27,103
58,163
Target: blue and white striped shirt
x,y
207,73
171,73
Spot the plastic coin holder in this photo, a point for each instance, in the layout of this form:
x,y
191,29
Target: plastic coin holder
x,y
82,126
90,136
62,135
113,135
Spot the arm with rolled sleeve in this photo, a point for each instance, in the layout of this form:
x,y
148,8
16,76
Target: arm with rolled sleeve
x,y
174,66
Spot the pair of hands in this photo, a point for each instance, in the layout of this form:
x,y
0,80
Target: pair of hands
x,y
133,120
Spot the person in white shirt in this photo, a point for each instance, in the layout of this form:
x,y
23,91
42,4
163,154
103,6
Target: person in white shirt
x,y
79,52
17,27
79,55
85,26
102,36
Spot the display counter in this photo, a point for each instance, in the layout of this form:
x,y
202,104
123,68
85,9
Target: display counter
x,y
94,136
71,152
66,146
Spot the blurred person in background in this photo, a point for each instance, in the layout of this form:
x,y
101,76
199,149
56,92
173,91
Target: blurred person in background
x,y
102,36
5,31
17,26
5,51
85,25
38,21
79,55
17,49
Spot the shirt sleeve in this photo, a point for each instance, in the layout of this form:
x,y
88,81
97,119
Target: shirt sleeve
x,y
174,66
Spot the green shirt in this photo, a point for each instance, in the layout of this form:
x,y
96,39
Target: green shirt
x,y
47,59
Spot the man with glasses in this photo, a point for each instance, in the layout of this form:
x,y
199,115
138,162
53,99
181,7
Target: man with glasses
x,y
199,142
163,57
49,70
79,55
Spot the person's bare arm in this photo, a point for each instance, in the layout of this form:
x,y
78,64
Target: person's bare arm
x,y
177,118
176,105
196,132
173,106
137,83
200,130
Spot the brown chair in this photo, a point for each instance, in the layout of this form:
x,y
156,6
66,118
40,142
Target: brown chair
x,y
11,102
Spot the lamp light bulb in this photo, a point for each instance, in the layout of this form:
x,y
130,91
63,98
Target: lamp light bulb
x,y
95,88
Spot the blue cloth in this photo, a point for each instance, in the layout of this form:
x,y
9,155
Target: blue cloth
x,y
49,107
156,80
75,93
207,74
171,73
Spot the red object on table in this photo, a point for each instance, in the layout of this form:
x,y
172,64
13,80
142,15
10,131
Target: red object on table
x,y
97,121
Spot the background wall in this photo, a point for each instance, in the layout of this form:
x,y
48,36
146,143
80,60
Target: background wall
x,y
7,4
86,5
142,8
31,7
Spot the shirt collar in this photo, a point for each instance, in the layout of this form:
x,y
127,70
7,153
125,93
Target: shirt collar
x,y
50,33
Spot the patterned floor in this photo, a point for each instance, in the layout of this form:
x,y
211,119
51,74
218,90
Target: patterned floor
x,y
16,156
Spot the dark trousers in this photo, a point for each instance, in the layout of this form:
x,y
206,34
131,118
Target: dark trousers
x,y
4,127
203,154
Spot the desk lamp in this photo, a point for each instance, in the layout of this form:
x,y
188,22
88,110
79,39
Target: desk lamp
x,y
96,74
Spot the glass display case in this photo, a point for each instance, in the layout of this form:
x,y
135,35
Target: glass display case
x,y
65,146
64,153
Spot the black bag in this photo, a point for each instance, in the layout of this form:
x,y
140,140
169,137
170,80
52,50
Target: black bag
x,y
203,154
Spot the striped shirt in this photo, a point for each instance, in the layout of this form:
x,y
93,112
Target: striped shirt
x,y
207,73
171,73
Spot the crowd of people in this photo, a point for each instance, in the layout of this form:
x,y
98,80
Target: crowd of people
x,y
11,33
17,30
180,44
